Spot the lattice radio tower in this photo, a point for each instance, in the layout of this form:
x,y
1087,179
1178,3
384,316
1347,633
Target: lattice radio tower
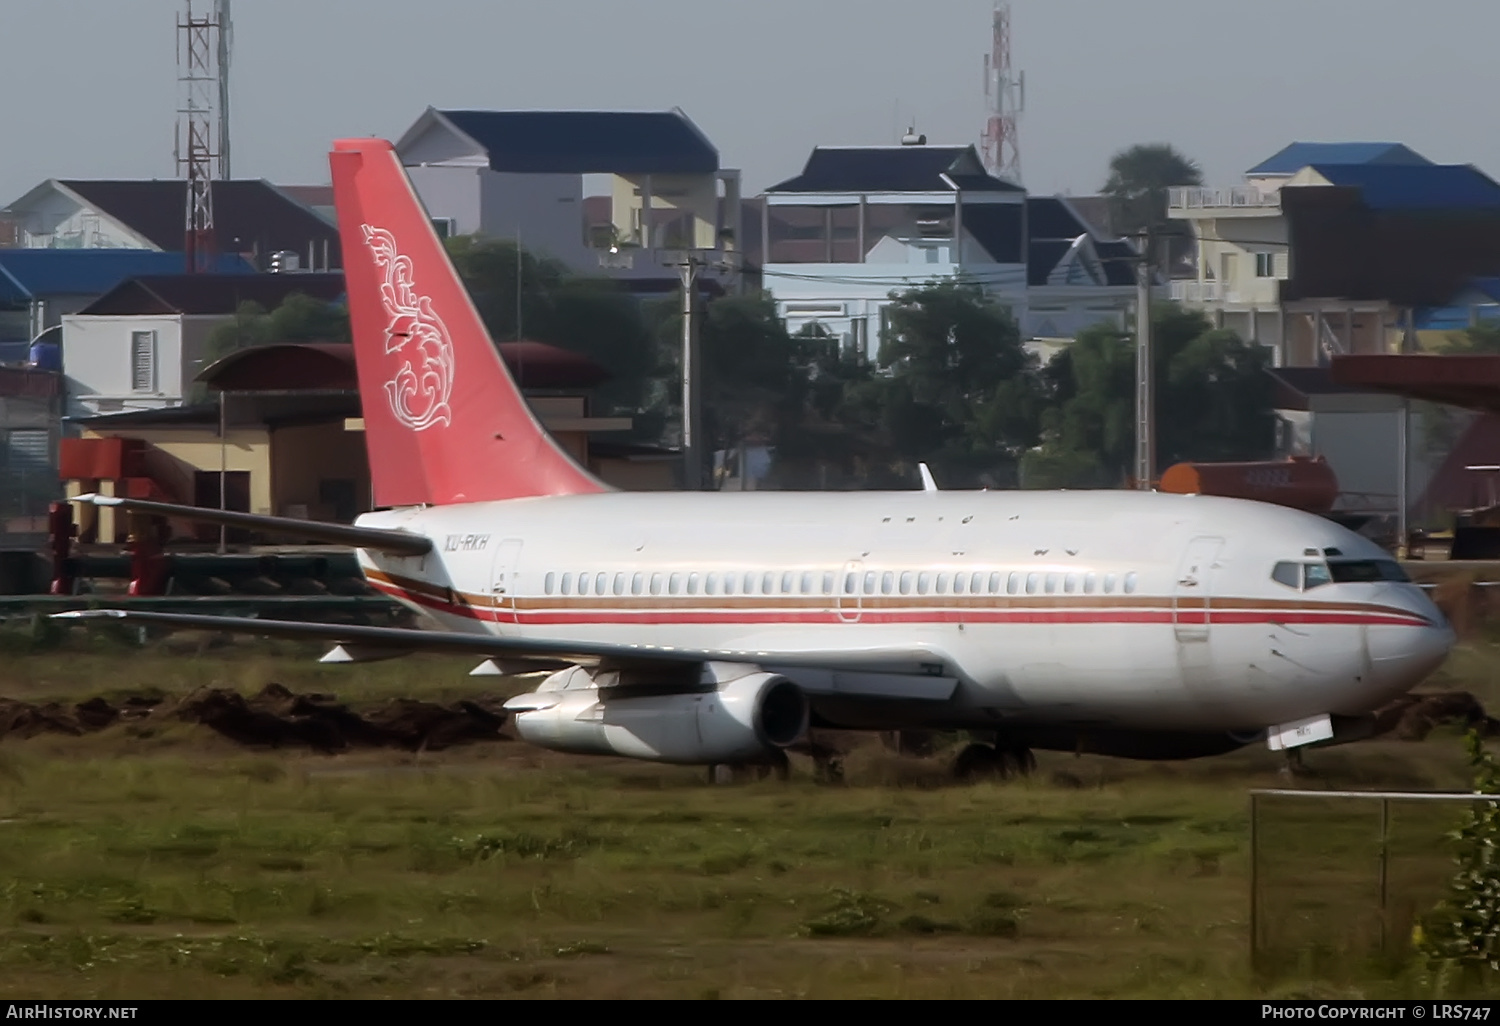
x,y
1006,92
202,141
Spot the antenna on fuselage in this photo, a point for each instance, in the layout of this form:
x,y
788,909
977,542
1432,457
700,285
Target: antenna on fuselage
x,y
928,484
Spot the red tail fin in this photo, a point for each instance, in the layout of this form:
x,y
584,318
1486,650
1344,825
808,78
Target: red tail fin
x,y
444,420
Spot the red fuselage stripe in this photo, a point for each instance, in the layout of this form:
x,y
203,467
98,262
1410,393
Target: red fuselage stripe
x,y
584,617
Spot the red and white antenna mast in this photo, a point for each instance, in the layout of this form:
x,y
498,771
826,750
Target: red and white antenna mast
x,y
202,66
1006,93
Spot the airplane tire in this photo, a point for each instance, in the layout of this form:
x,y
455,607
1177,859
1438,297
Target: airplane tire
x,y
980,761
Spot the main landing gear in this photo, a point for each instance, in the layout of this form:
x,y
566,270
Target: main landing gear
x,y
776,763
996,762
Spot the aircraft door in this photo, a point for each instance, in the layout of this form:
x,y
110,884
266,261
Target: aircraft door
x,y
504,579
849,585
1193,590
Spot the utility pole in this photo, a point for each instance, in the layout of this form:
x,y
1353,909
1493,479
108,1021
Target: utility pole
x,y
1145,392
690,265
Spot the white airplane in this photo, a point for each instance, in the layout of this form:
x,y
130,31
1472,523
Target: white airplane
x,y
710,629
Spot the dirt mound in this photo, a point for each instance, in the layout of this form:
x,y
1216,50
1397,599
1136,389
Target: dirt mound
x,y
1413,717
276,717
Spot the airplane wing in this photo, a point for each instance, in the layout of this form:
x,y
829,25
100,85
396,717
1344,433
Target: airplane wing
x,y
378,538
908,672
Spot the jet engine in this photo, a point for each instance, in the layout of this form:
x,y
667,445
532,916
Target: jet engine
x,y
723,718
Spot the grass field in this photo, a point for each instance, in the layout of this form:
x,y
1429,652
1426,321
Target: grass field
x,y
150,861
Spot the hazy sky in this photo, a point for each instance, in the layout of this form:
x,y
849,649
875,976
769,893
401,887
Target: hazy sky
x,y
90,86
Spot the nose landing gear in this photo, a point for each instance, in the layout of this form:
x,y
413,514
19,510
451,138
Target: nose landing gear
x,y
997,762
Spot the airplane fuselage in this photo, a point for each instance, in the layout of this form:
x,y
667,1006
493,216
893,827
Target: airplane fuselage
x,y
1115,610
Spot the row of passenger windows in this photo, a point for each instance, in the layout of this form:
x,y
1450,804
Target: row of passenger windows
x,y
814,582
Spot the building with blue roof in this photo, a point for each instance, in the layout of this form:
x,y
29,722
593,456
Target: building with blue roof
x,y
603,191
1334,248
39,286
1297,156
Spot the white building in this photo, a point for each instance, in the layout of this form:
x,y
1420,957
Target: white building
x,y
140,346
862,222
1327,248
611,192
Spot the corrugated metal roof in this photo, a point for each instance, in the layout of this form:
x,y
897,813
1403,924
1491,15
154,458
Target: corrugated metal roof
x,y
1421,187
867,169
588,142
27,274
1300,154
249,215
212,293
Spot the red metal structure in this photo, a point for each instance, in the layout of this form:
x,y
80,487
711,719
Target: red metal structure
x,y
1300,482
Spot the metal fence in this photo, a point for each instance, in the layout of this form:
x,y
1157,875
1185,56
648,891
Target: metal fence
x,y
1340,879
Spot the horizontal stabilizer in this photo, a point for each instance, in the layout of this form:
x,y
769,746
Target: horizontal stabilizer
x,y
376,538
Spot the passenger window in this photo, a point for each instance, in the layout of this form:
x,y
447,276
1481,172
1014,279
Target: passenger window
x,y
788,581
976,583
711,584
906,582
601,581
619,584
849,582
958,584
995,583
1109,584
1032,580
656,584
1288,574
869,582
637,583
749,588
567,584
1130,583
1051,583
692,584
1070,583
807,582
674,584
942,584
768,583
923,582
583,584
1013,586
827,582
1090,581
548,581
729,581
887,582
1315,575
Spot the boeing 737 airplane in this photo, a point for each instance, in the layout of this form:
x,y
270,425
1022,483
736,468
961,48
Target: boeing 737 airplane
x,y
710,628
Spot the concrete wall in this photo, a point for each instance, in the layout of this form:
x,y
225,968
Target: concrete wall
x,y
96,363
451,192
180,452
547,210
305,456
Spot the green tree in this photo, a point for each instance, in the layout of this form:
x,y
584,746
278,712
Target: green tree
x,y
1139,178
1213,402
959,392
1460,942
299,318
545,301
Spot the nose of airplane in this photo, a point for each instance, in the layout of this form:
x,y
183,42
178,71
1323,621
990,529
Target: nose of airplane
x,y
1402,655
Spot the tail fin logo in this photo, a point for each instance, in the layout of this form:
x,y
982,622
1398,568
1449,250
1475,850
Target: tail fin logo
x,y
419,391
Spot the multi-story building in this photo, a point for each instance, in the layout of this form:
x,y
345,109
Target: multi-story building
x,y
611,192
1330,248
861,222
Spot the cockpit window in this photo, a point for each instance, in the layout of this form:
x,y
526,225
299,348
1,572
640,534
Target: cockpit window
x,y
1289,574
1315,575
1348,571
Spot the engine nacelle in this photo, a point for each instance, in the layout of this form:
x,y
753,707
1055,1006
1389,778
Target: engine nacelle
x,y
738,720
